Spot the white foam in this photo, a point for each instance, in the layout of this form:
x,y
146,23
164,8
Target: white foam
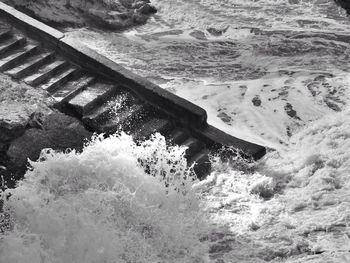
x,y
266,51
100,206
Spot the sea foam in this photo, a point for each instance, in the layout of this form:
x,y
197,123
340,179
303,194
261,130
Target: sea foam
x,y
101,206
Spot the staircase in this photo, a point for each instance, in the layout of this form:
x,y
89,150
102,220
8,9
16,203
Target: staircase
x,y
102,105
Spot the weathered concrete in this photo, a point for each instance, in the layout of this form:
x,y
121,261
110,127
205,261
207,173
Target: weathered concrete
x,y
217,138
183,110
84,93
82,55
23,21
28,124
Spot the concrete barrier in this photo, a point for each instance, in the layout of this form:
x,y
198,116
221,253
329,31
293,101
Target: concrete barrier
x,y
184,112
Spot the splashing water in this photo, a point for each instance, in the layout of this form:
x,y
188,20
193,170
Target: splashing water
x,y
274,72
307,217
262,69
101,206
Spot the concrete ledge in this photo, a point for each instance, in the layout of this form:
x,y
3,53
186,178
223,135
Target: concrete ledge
x,y
28,23
187,112
218,138
183,111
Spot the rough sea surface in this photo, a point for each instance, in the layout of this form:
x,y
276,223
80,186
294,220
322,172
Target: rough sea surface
x,y
262,69
274,72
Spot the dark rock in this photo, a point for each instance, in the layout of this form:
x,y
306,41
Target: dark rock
x,y
3,147
147,9
217,32
58,132
197,34
8,133
344,4
137,4
19,103
126,3
36,120
256,101
332,105
113,15
224,117
290,111
13,120
28,146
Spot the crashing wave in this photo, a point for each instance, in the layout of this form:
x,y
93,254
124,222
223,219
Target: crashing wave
x,y
101,206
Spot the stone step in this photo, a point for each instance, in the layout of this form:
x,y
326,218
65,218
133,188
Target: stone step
x,y
124,120
202,164
17,57
152,126
45,72
30,65
193,147
178,136
5,33
56,81
91,97
111,107
11,44
72,88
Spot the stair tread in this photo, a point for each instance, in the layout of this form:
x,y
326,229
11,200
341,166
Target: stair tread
x,y
152,126
122,119
201,163
52,83
200,156
17,55
190,141
71,88
44,72
16,71
5,33
85,100
114,105
194,146
178,136
10,43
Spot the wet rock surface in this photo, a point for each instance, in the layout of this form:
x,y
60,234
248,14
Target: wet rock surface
x,y
344,4
114,15
28,124
290,111
256,101
58,132
17,103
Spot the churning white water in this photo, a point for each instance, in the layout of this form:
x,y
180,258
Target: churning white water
x,y
262,69
101,206
275,72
